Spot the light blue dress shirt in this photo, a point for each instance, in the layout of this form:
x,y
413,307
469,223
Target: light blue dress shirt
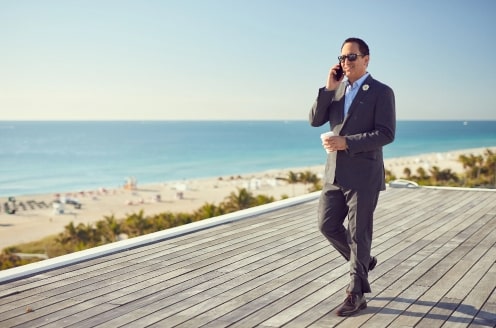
x,y
351,91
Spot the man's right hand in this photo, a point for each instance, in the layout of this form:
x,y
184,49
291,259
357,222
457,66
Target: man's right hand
x,y
332,83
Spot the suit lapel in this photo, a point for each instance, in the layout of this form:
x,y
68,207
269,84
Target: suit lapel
x,y
339,97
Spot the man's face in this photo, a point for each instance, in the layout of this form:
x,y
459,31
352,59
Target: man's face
x,y
353,69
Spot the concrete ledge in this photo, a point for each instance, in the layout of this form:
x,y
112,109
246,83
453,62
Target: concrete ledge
x,y
459,188
64,260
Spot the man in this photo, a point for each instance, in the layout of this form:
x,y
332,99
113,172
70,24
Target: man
x,y
361,113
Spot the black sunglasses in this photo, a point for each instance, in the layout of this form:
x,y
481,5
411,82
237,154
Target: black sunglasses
x,y
350,57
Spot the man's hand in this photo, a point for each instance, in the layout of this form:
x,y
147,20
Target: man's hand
x,y
332,83
334,143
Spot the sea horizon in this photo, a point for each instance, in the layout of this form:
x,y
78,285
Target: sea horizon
x,y
57,156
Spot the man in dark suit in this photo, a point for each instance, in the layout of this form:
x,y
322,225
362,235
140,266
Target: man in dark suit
x,y
361,113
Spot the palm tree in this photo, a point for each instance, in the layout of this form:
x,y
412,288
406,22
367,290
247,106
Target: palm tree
x,y
80,237
309,177
292,179
388,175
445,176
235,202
435,174
208,210
479,161
465,160
137,224
423,177
316,186
491,166
109,228
263,199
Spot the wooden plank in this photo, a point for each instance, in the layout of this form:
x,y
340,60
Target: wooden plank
x,y
64,291
475,299
482,299
120,258
265,323
133,299
443,310
297,322
207,299
431,279
198,323
397,286
436,251
87,270
402,276
170,282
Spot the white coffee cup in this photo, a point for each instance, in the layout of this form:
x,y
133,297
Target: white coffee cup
x,y
326,135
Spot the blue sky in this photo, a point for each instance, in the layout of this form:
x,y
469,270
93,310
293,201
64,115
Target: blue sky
x,y
233,59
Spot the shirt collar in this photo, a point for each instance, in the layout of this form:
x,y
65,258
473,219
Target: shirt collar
x,y
359,81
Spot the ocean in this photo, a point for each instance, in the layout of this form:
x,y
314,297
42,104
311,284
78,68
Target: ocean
x,y
62,156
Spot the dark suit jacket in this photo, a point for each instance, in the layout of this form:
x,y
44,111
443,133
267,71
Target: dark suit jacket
x,y
369,125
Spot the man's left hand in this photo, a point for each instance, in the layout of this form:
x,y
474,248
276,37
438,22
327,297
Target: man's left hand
x,y
335,143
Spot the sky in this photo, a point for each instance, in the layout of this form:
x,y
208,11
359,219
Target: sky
x,y
238,59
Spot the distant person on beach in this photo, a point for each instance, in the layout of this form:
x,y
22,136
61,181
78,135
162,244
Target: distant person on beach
x,y
361,113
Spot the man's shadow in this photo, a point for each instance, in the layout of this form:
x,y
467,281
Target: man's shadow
x,y
471,315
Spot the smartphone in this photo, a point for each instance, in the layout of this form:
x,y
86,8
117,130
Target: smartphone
x,y
339,73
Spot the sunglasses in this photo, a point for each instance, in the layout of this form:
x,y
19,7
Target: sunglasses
x,y
350,57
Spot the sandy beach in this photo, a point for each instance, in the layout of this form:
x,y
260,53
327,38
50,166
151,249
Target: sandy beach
x,y
37,215
443,160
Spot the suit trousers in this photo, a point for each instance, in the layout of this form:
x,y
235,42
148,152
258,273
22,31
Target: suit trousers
x,y
354,242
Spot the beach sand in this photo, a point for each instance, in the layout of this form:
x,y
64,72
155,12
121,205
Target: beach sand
x,y
37,218
443,160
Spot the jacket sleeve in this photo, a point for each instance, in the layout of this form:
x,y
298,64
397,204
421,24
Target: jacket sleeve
x,y
319,114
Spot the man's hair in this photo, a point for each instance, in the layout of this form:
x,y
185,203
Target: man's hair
x,y
364,48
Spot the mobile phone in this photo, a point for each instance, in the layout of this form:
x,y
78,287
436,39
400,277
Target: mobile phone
x,y
339,73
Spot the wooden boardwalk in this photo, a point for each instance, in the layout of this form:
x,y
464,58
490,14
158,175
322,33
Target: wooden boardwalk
x,y
436,268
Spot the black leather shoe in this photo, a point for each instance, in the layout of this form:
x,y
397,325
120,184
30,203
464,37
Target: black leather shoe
x,y
352,304
372,263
